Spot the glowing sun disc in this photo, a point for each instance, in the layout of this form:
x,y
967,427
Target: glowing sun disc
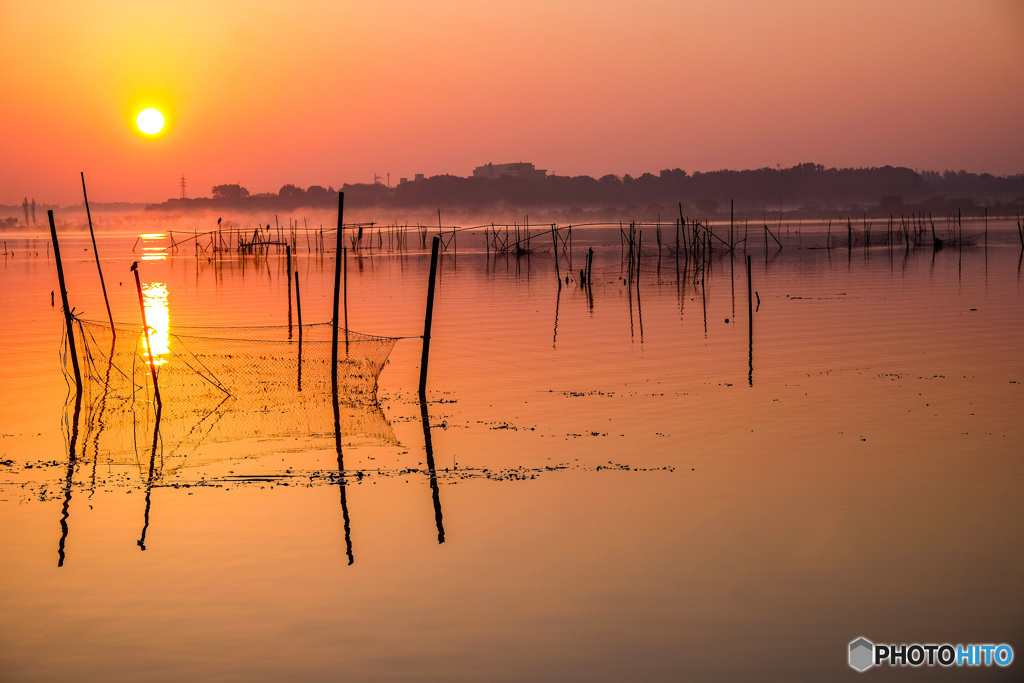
x,y
150,121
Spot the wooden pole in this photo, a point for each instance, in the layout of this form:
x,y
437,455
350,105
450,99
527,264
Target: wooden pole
x,y
103,286
732,214
288,256
430,313
67,309
682,224
554,252
636,269
298,310
145,331
344,279
298,305
337,295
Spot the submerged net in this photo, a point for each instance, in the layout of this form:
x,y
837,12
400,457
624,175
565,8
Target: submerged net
x,y
223,390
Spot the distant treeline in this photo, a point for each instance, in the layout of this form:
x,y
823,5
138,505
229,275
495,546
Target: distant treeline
x,y
807,189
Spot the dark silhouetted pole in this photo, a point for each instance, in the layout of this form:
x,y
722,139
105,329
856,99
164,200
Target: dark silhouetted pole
x,y
338,256
429,315
288,256
95,251
64,300
554,252
344,281
298,310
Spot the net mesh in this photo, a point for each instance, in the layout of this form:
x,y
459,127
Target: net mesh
x,y
220,387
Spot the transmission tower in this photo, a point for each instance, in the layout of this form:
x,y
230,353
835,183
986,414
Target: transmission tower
x,y
183,186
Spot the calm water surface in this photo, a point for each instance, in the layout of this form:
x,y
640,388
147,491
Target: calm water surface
x,y
626,487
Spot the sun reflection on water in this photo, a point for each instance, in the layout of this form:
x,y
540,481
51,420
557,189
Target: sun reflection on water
x,y
151,249
158,318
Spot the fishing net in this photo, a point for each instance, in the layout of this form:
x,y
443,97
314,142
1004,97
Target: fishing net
x,y
225,392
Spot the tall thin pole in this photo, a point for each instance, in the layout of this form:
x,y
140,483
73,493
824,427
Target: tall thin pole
x,y
338,257
298,305
145,331
732,214
288,255
67,309
298,310
554,252
429,316
96,252
344,281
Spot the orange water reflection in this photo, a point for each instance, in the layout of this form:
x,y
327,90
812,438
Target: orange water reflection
x,y
871,467
152,250
158,319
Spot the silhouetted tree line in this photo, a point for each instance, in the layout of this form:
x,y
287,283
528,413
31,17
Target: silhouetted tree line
x,y
809,189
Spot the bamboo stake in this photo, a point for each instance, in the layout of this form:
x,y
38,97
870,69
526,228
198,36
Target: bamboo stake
x,y
298,310
288,257
344,260
554,252
732,214
338,255
96,252
429,315
67,309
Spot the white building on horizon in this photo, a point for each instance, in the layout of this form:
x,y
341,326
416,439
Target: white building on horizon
x,y
519,169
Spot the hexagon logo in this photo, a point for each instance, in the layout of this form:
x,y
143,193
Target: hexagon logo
x,y
862,654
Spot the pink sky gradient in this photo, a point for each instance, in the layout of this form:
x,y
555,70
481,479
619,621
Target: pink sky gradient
x,y
268,93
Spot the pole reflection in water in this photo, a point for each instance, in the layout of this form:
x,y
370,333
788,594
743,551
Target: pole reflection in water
x,y
558,299
341,475
67,482
431,470
149,479
750,327
95,422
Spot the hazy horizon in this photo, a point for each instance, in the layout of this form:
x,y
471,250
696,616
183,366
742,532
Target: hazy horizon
x,y
265,95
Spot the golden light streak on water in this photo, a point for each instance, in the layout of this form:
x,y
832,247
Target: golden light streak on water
x,y
158,318
152,251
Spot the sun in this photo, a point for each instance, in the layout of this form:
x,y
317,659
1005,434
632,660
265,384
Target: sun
x,y
150,121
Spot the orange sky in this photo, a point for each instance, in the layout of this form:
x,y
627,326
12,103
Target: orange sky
x,y
267,93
